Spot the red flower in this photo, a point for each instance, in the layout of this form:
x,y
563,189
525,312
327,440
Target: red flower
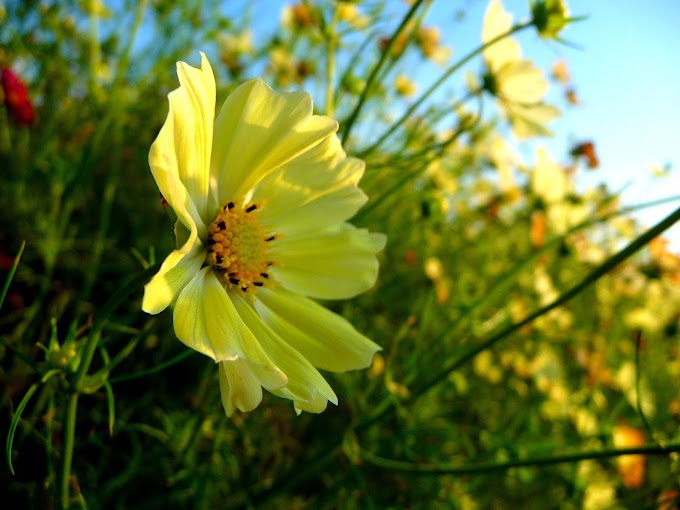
x,y
18,104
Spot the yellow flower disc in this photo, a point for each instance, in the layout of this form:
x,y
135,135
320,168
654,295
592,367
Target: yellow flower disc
x,y
237,247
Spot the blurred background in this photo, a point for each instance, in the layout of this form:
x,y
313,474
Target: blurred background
x,y
528,317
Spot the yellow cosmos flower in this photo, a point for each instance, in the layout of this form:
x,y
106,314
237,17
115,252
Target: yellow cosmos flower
x,y
550,183
518,85
262,193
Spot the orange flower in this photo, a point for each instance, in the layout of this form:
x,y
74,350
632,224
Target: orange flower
x,y
631,468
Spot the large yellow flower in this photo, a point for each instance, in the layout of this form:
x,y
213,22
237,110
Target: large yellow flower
x,y
262,193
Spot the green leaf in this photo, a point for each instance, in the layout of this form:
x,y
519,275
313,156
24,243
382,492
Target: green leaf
x,y
111,405
19,412
15,423
12,270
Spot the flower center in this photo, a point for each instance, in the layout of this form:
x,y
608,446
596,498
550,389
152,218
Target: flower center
x,y
238,247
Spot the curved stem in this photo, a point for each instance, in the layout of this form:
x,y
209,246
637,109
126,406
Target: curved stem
x,y
586,282
439,82
79,379
374,73
489,467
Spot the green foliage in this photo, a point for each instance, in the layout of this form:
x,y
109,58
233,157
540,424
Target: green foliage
x,y
529,329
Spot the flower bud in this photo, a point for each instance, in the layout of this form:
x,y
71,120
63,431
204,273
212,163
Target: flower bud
x,y
550,17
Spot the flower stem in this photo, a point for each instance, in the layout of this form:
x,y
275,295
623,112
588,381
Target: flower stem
x,y
376,70
439,82
69,433
597,273
79,379
95,50
489,467
331,36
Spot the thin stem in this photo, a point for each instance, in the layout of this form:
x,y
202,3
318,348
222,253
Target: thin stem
x,y
586,282
156,368
439,82
12,270
124,62
331,36
638,399
69,439
95,50
409,176
489,467
79,379
376,69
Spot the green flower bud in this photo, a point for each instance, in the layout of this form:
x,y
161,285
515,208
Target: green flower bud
x,y
550,17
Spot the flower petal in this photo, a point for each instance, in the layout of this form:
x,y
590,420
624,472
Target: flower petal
x,y
336,263
258,130
498,21
522,82
239,387
327,340
305,382
175,273
530,121
318,189
316,405
205,320
182,148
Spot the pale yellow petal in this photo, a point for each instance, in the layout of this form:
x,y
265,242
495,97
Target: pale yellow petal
x,y
530,121
316,405
232,338
302,197
258,131
205,320
175,273
548,180
337,263
522,82
497,22
239,387
181,152
327,340
305,383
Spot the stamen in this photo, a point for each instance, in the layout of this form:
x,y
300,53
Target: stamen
x,y
237,247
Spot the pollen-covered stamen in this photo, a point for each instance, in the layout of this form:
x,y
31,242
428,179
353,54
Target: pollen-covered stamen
x,y
238,246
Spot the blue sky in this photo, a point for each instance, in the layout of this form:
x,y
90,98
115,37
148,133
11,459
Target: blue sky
x,y
626,73
625,68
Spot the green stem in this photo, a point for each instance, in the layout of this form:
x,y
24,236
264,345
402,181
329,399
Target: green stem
x,y
95,50
409,176
591,278
124,62
12,270
157,368
489,467
374,73
69,438
331,36
439,82
78,380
